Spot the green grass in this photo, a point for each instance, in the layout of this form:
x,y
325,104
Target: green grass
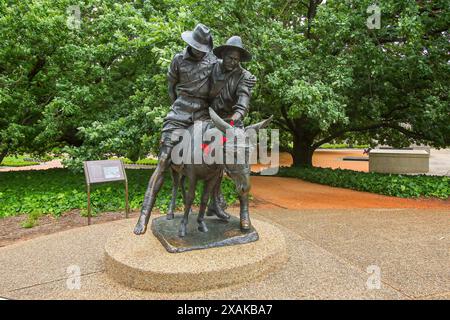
x,y
141,161
17,161
56,191
404,186
343,146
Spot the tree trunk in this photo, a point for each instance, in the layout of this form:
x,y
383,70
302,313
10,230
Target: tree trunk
x,y
302,153
3,155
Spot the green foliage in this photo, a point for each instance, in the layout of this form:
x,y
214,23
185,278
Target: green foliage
x,y
56,191
147,161
325,75
17,161
100,90
31,220
404,186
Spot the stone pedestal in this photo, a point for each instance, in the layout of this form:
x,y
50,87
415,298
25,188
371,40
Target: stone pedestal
x,y
143,262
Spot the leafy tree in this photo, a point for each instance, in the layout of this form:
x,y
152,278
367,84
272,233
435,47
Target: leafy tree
x,y
97,89
321,71
325,75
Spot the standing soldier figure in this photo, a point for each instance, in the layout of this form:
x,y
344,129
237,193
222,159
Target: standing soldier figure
x,y
231,87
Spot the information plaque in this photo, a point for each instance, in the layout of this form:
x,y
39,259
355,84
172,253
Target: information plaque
x,y
102,171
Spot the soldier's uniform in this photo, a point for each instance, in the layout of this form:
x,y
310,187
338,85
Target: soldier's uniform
x,y
191,79
231,92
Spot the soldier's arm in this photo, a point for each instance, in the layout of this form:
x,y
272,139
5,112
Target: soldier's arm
x,y
173,78
244,93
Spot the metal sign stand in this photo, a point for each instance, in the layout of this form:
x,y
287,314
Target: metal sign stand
x,y
103,171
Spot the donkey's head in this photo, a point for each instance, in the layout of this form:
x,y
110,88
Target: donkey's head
x,y
239,147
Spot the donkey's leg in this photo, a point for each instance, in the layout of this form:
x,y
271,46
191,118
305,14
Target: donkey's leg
x,y
183,190
188,203
214,201
207,190
173,201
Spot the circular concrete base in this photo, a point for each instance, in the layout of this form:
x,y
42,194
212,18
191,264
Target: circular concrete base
x,y
142,262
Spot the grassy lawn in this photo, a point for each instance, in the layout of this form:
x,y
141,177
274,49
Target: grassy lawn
x,y
17,161
25,160
56,191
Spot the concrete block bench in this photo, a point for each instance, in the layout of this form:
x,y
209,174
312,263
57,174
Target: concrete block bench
x,y
399,161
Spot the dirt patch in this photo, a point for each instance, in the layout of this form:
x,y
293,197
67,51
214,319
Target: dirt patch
x,y
11,230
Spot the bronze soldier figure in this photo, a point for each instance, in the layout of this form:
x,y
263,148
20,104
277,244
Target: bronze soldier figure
x,y
231,87
188,76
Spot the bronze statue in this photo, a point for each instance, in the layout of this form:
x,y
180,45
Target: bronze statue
x,y
197,79
230,94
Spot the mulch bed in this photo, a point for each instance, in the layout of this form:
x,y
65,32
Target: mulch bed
x,y
11,230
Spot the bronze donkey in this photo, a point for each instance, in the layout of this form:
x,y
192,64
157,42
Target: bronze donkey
x,y
238,171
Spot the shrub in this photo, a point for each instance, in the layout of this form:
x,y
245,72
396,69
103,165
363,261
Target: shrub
x,y
124,160
147,161
141,161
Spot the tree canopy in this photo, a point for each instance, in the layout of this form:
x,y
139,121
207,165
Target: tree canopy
x,y
100,88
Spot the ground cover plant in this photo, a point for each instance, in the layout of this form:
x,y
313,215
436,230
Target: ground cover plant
x,y
56,191
405,186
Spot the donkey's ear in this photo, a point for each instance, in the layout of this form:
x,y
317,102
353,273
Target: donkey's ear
x,y
260,125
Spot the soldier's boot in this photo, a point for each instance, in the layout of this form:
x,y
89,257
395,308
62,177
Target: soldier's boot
x,y
217,207
154,185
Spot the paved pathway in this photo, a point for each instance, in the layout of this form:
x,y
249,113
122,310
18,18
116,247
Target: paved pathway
x,y
292,193
330,252
440,162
